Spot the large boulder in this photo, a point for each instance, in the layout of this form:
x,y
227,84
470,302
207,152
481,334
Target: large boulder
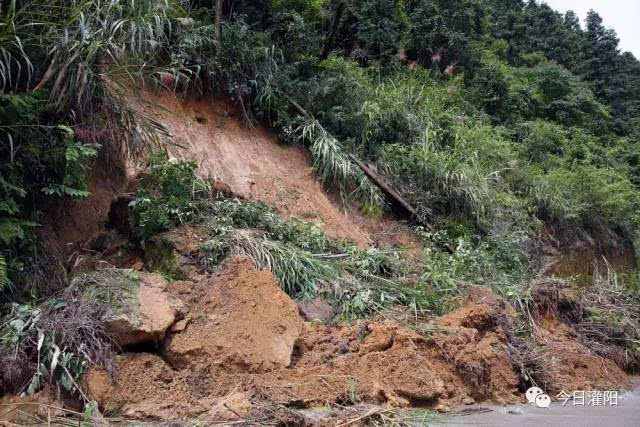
x,y
244,321
142,311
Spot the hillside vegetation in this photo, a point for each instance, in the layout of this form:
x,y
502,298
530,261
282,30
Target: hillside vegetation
x,y
502,122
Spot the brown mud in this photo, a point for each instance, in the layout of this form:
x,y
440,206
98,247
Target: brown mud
x,y
242,339
238,345
243,335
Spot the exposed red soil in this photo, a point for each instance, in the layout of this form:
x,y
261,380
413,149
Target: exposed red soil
x,y
242,342
244,336
245,320
239,339
583,254
249,162
71,224
567,363
570,365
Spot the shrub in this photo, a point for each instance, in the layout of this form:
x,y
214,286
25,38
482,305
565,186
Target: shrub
x,y
438,181
44,162
168,195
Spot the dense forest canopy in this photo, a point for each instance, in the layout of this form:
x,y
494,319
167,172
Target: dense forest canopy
x,y
473,105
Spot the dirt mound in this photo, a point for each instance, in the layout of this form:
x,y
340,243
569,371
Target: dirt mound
x,y
478,348
567,363
249,162
145,387
244,320
243,335
244,343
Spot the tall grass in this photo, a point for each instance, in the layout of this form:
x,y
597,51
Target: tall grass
x,y
88,55
438,180
299,272
15,63
333,166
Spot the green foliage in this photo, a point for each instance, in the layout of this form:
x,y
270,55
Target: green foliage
x,y
440,181
55,361
299,272
311,10
498,263
380,27
442,31
333,165
115,289
229,215
167,196
587,196
43,162
74,169
506,114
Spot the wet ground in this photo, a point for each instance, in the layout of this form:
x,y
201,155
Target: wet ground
x,y
625,414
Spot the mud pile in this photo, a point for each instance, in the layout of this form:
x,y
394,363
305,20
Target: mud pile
x,y
243,339
243,322
224,347
567,364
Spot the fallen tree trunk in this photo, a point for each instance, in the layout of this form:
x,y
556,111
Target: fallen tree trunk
x,y
379,182
385,187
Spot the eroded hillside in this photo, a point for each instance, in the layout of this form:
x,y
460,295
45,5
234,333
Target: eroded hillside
x,y
226,344
341,212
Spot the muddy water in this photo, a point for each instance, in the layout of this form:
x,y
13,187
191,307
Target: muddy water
x,y
625,414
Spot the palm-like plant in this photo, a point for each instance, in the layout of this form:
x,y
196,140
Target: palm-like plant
x,y
88,54
333,165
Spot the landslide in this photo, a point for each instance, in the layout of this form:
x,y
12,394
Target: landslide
x,y
249,162
237,345
242,334
241,347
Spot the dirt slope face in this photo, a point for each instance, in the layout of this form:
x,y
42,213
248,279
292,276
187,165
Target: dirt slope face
x,y
250,163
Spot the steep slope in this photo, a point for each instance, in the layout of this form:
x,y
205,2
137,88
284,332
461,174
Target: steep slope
x,y
249,163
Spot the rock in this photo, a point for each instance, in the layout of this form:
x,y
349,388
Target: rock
x,y
181,325
245,321
317,309
234,407
468,401
443,408
147,316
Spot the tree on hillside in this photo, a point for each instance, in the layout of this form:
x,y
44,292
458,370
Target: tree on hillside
x,y
534,27
443,30
368,29
614,77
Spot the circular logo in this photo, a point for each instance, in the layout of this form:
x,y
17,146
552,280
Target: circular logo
x,y
532,393
543,401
